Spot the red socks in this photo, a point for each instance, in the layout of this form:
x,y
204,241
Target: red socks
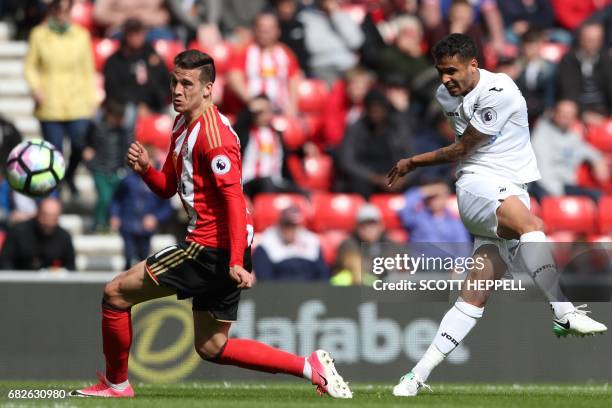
x,y
116,339
261,357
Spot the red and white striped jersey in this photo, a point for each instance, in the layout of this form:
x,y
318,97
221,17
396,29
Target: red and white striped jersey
x,y
268,71
204,166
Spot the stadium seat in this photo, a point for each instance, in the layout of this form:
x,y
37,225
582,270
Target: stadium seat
x,y
221,53
267,208
553,52
330,242
167,50
102,49
312,173
601,136
335,211
82,14
535,209
569,213
291,129
313,94
605,215
389,205
154,130
2,238
452,205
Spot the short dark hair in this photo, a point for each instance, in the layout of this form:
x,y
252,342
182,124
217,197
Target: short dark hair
x,y
194,59
455,44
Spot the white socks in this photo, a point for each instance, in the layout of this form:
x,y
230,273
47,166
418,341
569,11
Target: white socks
x,y
307,370
455,325
537,257
118,387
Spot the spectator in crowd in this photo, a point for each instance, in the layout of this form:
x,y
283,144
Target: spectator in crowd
x,y
289,252
264,157
368,241
521,15
372,144
107,144
237,16
431,135
60,71
560,151
190,16
9,138
344,106
379,27
39,243
111,16
604,17
585,75
426,216
460,20
266,66
292,30
136,213
136,75
405,57
536,79
332,39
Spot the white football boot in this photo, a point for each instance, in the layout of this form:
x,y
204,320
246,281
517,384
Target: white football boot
x,y
409,386
577,323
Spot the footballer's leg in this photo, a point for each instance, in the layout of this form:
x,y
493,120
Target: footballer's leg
x,y
456,323
535,255
213,344
125,290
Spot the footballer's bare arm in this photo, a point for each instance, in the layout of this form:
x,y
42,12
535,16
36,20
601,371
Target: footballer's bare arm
x,y
466,144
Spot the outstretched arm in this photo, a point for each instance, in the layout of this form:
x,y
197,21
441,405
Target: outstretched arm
x,y
162,183
465,145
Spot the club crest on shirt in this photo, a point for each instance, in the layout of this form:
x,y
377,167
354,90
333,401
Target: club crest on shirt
x,y
488,116
220,164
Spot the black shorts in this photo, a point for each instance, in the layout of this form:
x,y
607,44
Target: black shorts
x,y
201,273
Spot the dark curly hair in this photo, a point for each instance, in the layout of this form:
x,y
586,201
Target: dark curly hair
x,y
455,44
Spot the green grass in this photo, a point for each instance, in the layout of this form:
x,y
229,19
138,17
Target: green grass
x,y
274,394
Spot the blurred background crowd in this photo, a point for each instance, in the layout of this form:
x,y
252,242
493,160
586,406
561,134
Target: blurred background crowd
x,y
326,95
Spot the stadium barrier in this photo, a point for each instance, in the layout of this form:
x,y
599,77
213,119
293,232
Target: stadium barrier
x,y
50,330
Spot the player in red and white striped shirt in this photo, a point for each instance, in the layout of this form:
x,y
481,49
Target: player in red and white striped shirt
x,y
213,264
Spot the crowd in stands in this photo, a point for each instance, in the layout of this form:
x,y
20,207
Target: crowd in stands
x,y
325,95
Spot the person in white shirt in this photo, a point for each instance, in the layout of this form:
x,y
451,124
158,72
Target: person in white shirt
x,y
495,163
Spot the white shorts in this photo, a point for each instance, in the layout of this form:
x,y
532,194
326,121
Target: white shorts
x,y
478,198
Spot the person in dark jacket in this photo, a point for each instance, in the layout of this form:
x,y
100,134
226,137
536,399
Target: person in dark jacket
x,y
107,143
135,74
39,243
373,144
585,75
289,252
136,212
292,31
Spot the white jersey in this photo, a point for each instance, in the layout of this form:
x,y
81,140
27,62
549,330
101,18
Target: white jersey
x,y
497,108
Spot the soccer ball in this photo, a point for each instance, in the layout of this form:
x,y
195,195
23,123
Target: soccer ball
x,y
35,167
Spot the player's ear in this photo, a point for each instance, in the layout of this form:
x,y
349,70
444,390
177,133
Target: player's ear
x,y
474,64
207,90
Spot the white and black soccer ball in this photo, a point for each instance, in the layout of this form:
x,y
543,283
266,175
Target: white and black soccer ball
x,y
35,167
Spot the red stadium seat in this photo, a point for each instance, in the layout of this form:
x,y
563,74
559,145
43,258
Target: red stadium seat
x,y
291,129
553,52
330,242
335,211
601,136
154,130
312,173
605,215
2,238
82,14
313,94
267,208
569,213
102,49
389,205
452,205
167,50
221,53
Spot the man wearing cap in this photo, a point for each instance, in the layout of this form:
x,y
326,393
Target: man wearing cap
x,y
289,252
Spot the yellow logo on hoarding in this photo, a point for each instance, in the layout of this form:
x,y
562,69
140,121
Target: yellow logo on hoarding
x,y
172,362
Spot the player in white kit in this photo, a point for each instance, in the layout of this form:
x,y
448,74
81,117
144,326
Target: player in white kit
x,y
495,163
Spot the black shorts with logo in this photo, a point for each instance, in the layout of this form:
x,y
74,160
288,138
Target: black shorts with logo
x,y
200,273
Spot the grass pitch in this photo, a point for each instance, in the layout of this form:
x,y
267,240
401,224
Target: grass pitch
x,y
295,394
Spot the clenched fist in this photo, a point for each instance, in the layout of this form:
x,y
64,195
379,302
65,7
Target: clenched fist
x,y
138,158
